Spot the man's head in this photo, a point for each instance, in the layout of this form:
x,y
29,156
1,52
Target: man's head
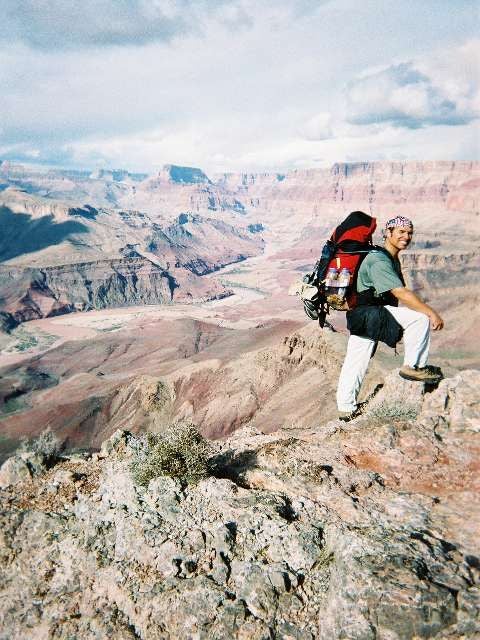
x,y
398,234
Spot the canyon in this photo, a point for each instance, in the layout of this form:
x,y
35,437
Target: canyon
x,y
130,303
205,264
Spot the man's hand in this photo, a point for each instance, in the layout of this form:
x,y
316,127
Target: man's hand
x,y
436,322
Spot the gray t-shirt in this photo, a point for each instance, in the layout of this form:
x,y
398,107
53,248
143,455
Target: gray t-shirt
x,y
378,271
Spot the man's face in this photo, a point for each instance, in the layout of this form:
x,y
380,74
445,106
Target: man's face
x,y
400,237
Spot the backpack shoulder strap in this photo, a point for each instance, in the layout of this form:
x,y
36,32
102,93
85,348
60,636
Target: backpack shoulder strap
x,y
392,260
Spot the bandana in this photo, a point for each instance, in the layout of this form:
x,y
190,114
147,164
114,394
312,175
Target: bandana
x,y
399,221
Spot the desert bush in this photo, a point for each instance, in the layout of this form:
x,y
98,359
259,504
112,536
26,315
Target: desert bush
x,y
179,452
394,411
47,445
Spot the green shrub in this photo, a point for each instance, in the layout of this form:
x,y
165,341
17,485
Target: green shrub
x,y
180,452
394,411
47,445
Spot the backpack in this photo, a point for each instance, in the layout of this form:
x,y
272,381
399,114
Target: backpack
x,y
347,247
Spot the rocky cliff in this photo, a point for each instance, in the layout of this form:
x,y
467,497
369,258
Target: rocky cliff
x,y
435,188
441,274
365,531
441,197
30,293
62,258
453,185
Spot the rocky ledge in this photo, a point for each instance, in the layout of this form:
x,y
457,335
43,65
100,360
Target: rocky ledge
x,y
365,530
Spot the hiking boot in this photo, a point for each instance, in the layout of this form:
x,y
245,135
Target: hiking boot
x,y
346,416
430,375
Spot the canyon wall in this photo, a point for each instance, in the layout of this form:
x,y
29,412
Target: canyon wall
x,y
96,285
182,219
452,185
58,258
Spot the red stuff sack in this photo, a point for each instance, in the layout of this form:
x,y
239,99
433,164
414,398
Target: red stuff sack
x,y
352,241
348,245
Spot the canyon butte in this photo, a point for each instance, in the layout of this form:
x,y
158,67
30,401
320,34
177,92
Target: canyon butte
x,y
130,303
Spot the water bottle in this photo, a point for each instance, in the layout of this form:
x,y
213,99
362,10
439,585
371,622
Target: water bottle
x,y
343,282
331,281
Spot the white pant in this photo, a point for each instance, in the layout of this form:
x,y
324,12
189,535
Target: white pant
x,y
416,340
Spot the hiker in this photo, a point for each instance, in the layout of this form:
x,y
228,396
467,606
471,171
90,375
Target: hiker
x,y
380,287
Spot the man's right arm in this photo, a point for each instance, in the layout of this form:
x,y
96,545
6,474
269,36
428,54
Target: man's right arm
x,y
412,301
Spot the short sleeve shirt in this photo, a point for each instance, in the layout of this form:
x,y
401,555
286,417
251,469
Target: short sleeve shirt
x,y
378,271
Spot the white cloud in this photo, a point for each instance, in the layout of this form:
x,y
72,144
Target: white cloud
x,y
318,127
250,84
215,150
439,89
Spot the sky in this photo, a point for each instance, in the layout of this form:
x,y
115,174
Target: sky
x,y
238,85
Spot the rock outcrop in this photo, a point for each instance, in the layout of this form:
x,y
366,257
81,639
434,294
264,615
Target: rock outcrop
x,y
355,531
30,293
59,259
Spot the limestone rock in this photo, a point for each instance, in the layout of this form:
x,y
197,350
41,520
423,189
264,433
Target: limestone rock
x,y
14,470
354,530
456,399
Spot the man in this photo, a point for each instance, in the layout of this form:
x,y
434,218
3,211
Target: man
x,y
380,287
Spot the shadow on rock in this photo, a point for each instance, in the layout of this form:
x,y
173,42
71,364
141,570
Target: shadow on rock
x,y
22,234
232,465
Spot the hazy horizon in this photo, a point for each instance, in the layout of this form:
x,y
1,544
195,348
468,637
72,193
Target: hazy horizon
x,y
46,167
